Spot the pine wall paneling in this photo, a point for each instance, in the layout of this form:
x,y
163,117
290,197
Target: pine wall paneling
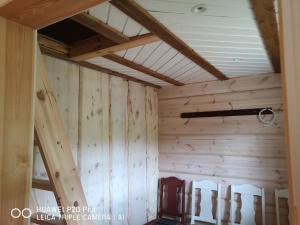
x,y
112,124
227,150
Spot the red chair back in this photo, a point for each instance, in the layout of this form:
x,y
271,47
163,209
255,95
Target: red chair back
x,y
172,198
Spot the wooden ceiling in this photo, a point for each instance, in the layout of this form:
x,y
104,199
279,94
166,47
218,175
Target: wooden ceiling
x,y
162,42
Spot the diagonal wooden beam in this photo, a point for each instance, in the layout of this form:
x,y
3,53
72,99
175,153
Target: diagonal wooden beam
x,y
100,27
265,14
40,13
140,15
95,47
141,68
59,50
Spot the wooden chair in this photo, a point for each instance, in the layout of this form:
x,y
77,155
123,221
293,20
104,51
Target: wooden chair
x,y
280,193
171,202
247,210
206,214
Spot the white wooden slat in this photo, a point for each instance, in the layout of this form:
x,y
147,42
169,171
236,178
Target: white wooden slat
x,y
117,19
132,28
156,54
146,52
178,58
182,63
100,11
132,53
182,7
184,69
223,43
169,55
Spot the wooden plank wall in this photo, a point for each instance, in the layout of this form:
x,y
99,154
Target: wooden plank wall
x,y
17,77
229,150
114,140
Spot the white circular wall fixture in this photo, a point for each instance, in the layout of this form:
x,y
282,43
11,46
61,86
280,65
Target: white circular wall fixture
x,y
200,8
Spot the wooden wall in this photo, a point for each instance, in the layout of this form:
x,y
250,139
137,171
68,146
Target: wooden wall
x,y
112,125
229,150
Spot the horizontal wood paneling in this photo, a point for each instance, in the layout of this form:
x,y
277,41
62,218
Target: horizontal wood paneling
x,y
114,140
227,150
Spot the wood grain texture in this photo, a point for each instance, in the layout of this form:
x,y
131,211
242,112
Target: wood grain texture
x,y
38,14
225,150
56,147
93,48
119,151
137,167
105,173
61,51
264,11
290,54
17,77
98,26
140,15
152,152
94,140
248,83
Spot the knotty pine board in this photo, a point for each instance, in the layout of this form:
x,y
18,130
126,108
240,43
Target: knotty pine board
x,y
119,150
94,140
227,150
17,90
103,117
152,151
137,199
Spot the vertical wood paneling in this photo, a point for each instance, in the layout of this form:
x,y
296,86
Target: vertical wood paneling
x,y
137,154
119,151
63,79
229,150
17,77
94,140
152,152
117,134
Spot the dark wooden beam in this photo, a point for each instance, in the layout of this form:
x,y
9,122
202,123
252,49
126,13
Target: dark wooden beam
x,y
140,15
42,184
265,15
100,27
49,51
40,13
141,68
99,46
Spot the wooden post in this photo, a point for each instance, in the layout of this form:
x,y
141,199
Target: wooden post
x,y
290,56
17,75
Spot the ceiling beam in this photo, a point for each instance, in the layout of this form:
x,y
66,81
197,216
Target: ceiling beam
x,y
46,46
95,47
141,68
100,27
40,13
264,11
117,74
140,15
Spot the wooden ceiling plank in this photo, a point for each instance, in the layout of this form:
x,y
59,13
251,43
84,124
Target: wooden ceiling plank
x,y
100,27
142,69
81,51
40,13
264,11
140,15
48,50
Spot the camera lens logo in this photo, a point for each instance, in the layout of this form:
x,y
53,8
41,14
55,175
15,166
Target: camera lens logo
x,y
17,213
